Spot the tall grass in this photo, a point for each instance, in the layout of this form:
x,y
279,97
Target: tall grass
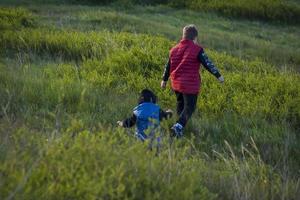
x,y
270,10
112,165
61,92
123,56
241,38
273,10
252,90
15,18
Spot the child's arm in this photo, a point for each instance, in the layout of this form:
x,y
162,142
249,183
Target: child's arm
x,y
202,57
166,75
165,114
127,123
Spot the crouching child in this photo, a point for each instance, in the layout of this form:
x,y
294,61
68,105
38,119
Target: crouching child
x,y
146,116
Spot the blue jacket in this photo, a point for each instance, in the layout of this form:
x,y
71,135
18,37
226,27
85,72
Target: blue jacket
x,y
147,118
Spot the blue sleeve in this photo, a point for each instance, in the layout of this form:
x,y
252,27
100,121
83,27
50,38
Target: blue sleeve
x,y
202,57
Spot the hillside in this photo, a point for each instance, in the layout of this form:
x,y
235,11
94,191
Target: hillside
x,y
69,72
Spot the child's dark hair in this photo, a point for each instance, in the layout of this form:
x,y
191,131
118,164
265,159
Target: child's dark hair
x,y
147,95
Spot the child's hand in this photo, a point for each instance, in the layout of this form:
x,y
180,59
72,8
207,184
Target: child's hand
x,y
163,84
221,79
120,123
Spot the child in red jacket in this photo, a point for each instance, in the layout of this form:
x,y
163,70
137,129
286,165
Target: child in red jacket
x,y
183,68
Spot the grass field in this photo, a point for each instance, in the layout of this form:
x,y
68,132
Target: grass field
x,y
69,72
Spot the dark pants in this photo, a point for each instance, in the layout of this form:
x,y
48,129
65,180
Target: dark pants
x,y
186,105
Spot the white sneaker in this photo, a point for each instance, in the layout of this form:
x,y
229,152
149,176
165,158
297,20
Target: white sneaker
x,y
177,130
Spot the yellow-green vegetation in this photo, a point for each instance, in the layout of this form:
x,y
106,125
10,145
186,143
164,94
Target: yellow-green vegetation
x,y
275,44
274,10
15,18
66,78
284,11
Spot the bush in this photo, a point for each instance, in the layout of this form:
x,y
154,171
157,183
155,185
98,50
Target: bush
x,y
15,18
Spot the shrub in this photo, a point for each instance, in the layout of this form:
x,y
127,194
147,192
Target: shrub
x,y
15,18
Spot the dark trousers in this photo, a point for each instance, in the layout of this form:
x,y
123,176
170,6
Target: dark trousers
x,y
186,105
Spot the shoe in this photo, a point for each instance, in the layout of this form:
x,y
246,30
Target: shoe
x,y
177,130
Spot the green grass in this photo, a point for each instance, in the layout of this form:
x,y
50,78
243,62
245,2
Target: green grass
x,y
15,18
112,165
276,44
64,84
272,10
284,11
124,56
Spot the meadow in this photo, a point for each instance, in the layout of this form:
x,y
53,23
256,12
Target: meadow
x,y
286,11
68,73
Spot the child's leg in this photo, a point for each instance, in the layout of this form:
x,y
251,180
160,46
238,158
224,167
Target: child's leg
x,y
186,103
190,101
180,103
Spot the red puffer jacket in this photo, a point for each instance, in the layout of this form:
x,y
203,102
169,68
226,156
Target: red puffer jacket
x,y
185,67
